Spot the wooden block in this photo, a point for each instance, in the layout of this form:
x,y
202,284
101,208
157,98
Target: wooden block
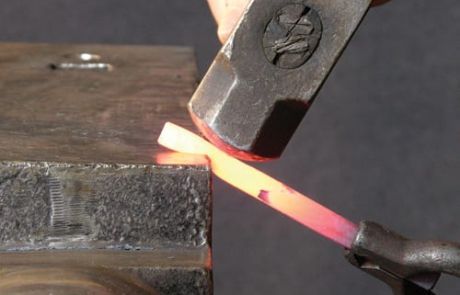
x,y
81,198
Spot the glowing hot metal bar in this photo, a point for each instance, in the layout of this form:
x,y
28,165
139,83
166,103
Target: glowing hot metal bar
x,y
262,187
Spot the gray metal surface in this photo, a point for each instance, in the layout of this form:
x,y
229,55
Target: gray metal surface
x,y
131,207
266,76
83,206
151,223
409,267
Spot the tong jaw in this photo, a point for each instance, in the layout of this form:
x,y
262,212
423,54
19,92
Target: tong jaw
x,y
409,267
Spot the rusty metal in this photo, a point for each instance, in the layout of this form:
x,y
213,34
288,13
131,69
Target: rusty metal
x,y
409,267
265,77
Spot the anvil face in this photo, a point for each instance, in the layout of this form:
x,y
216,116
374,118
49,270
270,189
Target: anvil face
x,y
84,203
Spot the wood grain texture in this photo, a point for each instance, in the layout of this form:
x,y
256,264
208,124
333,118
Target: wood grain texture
x,y
48,113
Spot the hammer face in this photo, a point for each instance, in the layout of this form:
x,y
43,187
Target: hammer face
x,y
265,77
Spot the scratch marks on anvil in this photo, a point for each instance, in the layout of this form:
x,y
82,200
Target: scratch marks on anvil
x,y
68,215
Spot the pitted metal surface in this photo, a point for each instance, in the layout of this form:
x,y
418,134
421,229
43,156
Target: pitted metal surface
x,y
151,222
104,206
83,206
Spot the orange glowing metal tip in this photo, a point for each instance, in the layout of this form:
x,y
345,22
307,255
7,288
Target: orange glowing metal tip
x,y
262,187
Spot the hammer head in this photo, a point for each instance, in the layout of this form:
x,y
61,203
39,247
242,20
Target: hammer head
x,y
265,77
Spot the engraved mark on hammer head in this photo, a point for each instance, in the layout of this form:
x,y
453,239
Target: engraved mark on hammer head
x,y
292,35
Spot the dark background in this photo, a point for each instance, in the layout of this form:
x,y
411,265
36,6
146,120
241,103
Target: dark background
x,y
381,142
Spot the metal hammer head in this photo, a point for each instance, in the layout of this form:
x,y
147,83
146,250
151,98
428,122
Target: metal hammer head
x,y
265,77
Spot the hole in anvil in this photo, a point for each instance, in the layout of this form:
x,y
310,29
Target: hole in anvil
x,y
82,61
103,67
